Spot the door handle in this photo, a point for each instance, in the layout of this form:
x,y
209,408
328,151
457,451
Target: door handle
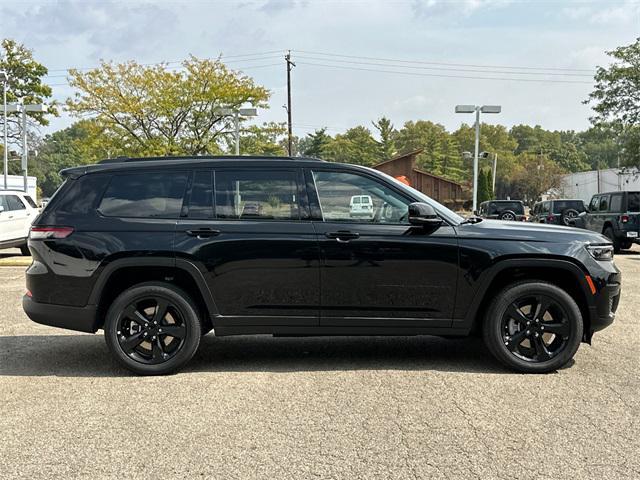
x,y
203,232
342,236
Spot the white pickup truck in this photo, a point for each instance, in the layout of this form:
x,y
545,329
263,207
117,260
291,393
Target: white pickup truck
x,y
17,212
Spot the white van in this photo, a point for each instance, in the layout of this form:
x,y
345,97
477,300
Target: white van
x,y
17,212
361,206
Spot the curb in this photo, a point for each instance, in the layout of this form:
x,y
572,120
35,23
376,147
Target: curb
x,y
15,262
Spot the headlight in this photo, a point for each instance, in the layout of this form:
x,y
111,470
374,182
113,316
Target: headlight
x,y
601,252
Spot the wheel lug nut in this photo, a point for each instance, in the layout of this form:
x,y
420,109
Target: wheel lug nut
x,y
542,328
153,338
537,335
528,332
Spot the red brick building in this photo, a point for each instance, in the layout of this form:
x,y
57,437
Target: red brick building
x,y
441,189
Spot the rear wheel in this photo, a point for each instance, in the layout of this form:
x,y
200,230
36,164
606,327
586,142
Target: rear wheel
x,y
533,327
508,215
153,328
608,232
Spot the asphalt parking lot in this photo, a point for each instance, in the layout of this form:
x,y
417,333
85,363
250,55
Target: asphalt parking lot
x,y
261,407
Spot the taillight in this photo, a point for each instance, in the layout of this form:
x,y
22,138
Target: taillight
x,y
550,219
624,218
43,233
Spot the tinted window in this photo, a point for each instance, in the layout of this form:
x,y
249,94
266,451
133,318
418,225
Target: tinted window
x,y
15,203
201,199
560,206
633,201
616,203
79,196
267,195
604,203
30,201
335,190
593,206
545,207
144,195
515,207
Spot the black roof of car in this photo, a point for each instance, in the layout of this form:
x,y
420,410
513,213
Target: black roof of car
x,y
121,163
502,201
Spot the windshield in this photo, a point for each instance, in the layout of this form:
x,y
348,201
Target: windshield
x,y
443,211
560,206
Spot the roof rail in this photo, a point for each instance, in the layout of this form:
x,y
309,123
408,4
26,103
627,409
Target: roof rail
x,y
205,157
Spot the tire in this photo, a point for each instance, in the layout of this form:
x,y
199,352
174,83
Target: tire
x,y
569,214
508,215
24,250
563,316
608,232
135,310
626,245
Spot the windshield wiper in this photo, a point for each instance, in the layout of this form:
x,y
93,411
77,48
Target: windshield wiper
x,y
472,219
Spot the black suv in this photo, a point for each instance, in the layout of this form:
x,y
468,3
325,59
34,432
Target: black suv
x,y
616,216
502,210
557,212
156,252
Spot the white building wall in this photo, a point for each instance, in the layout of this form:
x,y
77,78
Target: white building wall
x,y
583,185
16,182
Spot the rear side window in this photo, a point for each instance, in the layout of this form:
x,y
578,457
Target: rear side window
x,y
15,203
79,197
604,203
201,198
144,195
265,195
616,203
633,200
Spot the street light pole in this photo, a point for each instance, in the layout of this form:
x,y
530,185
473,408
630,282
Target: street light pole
x,y
495,169
5,79
23,109
477,110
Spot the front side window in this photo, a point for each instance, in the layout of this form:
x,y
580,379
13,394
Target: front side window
x,y
336,190
144,195
262,195
593,206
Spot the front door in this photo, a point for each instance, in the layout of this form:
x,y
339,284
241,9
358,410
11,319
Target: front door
x,y
15,218
249,233
377,270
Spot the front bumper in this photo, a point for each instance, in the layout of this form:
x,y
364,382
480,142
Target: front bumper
x,y
81,319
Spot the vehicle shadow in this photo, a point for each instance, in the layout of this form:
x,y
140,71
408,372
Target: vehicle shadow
x,y
87,355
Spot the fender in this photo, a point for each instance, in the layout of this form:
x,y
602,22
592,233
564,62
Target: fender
x,y
501,265
181,264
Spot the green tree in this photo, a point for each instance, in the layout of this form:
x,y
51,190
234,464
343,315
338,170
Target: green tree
x,y
151,110
483,193
26,84
315,144
426,135
615,99
268,139
356,145
386,133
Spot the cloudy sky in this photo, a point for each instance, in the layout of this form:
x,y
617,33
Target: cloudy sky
x,y
356,59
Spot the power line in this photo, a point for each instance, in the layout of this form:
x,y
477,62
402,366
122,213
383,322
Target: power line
x,y
415,74
442,63
447,69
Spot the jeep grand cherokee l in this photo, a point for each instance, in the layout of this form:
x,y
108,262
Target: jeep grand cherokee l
x,y
157,252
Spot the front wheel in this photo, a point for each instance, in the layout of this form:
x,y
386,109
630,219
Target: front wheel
x,y
533,327
153,328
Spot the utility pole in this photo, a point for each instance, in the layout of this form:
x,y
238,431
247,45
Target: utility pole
x,y
290,65
5,79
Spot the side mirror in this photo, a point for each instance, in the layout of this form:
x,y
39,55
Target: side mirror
x,y
423,215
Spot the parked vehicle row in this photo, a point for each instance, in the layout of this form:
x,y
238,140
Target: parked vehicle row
x,y
157,252
17,212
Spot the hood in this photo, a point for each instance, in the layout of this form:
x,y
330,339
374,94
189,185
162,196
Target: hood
x,y
530,232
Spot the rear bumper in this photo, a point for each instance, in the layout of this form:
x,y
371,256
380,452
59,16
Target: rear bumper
x,y
81,319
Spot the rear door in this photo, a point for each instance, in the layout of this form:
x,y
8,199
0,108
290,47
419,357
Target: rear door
x,y
16,218
379,270
249,233
592,216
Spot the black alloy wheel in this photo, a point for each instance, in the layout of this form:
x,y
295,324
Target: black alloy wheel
x,y
508,216
153,328
533,327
